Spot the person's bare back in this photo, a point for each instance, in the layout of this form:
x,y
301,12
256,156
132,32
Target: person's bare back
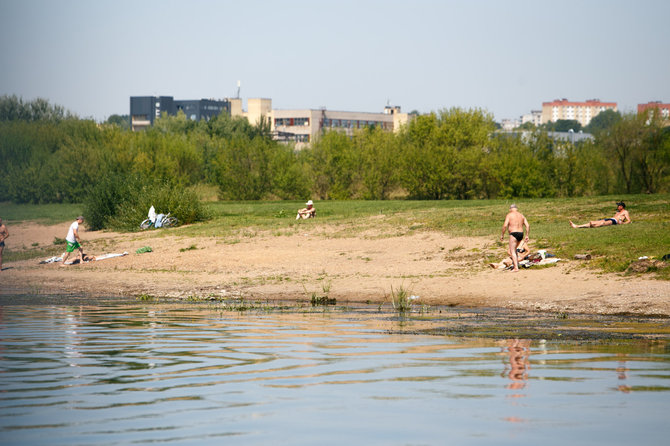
x,y
514,224
515,221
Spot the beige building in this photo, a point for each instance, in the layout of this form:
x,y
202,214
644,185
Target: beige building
x,y
535,116
303,125
256,107
582,112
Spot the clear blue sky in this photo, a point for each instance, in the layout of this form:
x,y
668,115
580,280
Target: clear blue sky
x,y
506,57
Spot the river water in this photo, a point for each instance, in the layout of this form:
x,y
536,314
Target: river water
x,y
144,373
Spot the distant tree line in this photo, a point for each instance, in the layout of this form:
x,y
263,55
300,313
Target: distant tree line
x,y
49,155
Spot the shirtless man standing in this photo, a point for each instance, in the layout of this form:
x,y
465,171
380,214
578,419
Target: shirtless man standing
x,y
3,235
514,223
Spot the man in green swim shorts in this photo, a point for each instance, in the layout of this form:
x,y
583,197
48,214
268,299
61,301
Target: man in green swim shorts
x,y
73,241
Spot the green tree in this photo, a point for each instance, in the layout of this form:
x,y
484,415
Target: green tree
x,y
516,170
379,151
12,108
335,165
243,168
603,121
564,125
621,143
527,126
123,121
653,155
443,154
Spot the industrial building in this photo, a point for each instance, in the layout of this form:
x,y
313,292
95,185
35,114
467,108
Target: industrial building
x,y
145,109
299,126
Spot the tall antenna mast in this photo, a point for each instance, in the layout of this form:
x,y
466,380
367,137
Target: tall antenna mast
x,y
239,83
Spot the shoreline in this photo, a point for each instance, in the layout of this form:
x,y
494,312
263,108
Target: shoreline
x,y
441,270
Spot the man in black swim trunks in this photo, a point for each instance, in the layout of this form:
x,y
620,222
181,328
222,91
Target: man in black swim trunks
x,y
514,223
621,217
3,235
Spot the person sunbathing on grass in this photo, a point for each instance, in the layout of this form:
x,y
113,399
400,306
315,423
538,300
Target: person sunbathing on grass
x,y
621,217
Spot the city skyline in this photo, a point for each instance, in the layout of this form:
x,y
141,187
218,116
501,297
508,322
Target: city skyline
x,y
504,57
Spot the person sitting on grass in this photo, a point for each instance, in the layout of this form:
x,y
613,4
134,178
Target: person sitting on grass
x,y
621,217
308,212
522,252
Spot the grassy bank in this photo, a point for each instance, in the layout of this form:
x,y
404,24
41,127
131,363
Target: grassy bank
x,y
612,248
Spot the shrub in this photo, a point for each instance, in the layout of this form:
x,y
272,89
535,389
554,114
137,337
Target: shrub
x,y
121,202
165,198
104,198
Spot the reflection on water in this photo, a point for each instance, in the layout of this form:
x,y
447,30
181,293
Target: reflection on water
x,y
178,374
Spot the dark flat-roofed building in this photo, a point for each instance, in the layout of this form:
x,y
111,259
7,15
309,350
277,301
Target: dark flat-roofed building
x,y
206,109
145,109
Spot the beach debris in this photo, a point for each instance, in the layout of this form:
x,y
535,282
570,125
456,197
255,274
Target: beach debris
x,y
144,249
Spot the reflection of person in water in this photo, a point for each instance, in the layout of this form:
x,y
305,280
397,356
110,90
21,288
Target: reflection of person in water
x,y
621,374
518,351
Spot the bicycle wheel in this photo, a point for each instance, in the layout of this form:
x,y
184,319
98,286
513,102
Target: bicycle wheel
x,y
169,222
146,224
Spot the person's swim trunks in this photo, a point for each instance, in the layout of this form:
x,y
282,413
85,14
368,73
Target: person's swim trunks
x,y
613,220
517,235
72,246
2,243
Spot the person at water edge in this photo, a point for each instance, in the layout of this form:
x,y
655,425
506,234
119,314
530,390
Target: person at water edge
x,y
514,224
307,212
522,252
3,236
621,217
74,241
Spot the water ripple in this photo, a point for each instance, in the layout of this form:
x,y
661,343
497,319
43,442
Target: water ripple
x,y
145,374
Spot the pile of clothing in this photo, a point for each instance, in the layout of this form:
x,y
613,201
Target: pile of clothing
x,y
542,257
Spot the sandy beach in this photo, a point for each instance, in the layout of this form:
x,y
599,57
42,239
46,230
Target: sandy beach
x,y
438,268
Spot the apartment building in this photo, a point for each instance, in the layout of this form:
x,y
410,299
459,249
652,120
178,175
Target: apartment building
x,y
658,107
582,112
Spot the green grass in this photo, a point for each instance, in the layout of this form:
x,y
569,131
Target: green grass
x,y
613,248
42,213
